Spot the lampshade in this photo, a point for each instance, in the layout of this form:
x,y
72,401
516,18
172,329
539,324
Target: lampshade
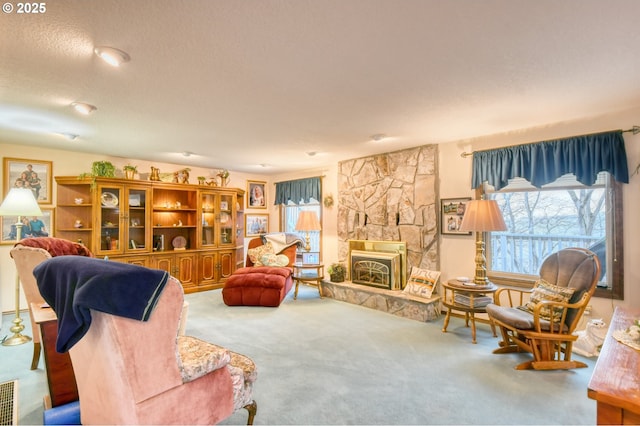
x,y
482,216
20,202
308,221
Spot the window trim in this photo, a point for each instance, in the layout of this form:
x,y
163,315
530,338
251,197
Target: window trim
x,y
615,259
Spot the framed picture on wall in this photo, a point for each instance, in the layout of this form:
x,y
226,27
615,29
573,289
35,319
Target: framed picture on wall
x,y
451,213
40,226
255,224
256,194
33,174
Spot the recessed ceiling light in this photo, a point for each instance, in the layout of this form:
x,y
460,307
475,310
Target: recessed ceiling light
x,y
83,108
70,136
111,55
378,137
311,153
187,154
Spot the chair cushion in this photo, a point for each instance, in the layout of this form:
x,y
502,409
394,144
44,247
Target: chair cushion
x,y
274,260
198,358
421,282
543,290
255,254
517,318
243,374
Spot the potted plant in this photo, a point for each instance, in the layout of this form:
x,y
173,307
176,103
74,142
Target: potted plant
x,y
337,272
99,169
202,180
129,171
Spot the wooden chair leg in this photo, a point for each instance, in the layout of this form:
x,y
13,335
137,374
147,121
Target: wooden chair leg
x,y
252,408
36,355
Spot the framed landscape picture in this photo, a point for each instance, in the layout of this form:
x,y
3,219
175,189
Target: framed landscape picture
x,y
256,224
33,174
451,213
40,226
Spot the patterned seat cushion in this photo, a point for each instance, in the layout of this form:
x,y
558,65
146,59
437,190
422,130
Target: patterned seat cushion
x,y
198,358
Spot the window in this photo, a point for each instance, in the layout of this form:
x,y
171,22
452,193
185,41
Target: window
x,y
290,212
562,214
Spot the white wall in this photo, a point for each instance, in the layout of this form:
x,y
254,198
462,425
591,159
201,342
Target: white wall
x,y
457,252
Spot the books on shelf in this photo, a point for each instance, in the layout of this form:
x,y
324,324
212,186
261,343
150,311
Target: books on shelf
x,y
478,301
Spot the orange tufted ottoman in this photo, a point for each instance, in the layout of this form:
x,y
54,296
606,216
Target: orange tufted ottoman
x,y
257,286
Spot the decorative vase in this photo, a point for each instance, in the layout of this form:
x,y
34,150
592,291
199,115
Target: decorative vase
x,y
129,174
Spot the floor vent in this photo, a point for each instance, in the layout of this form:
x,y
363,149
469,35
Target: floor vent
x,y
9,403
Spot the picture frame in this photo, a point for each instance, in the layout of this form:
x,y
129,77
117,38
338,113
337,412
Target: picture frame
x,y
8,230
224,205
36,174
256,194
255,224
451,213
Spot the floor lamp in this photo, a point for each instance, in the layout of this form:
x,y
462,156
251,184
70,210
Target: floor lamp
x,y
482,216
308,221
19,202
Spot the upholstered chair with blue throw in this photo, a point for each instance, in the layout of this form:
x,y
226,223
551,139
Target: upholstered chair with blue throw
x,y
120,324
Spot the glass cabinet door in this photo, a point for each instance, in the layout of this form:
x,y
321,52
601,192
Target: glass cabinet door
x,y
136,219
109,219
227,226
208,220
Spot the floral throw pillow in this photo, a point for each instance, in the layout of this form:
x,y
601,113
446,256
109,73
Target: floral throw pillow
x,y
422,282
543,290
255,254
271,259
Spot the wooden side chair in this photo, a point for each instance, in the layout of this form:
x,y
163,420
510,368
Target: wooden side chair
x,y
544,324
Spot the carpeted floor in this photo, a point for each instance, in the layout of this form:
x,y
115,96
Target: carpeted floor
x,y
322,361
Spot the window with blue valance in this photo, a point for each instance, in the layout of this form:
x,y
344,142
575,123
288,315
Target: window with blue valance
x,y
544,162
296,190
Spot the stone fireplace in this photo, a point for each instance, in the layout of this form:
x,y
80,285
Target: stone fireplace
x,y
391,198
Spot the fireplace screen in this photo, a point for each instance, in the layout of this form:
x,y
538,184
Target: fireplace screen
x,y
376,269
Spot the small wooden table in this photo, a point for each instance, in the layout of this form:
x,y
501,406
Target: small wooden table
x,y
470,291
311,274
615,378
60,376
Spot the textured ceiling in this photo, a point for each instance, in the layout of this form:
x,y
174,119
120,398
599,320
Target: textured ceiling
x,y
241,83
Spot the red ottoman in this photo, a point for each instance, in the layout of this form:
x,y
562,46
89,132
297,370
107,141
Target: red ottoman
x,y
257,286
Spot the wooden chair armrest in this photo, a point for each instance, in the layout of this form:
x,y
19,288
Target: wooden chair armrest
x,y
518,300
580,304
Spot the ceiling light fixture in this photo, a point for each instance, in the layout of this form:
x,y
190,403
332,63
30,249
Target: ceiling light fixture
x,y
111,55
378,137
83,108
187,154
70,136
311,153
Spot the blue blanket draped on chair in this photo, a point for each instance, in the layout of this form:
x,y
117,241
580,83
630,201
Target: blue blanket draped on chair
x,y
72,285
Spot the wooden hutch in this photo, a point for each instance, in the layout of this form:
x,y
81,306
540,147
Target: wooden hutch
x,y
194,232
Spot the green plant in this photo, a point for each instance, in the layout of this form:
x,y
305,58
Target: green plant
x,y
130,168
99,169
337,269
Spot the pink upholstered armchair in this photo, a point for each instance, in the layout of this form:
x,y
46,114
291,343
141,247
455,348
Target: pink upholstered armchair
x,y
132,371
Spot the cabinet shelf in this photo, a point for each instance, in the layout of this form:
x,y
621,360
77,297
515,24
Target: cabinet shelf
x,y
149,216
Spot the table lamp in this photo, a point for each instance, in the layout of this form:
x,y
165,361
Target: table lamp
x,y
482,216
19,202
308,221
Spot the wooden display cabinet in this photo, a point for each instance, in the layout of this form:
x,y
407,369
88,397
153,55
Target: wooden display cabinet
x,y
194,232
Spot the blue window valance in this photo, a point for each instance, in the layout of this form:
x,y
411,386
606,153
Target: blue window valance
x,y
296,190
544,162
